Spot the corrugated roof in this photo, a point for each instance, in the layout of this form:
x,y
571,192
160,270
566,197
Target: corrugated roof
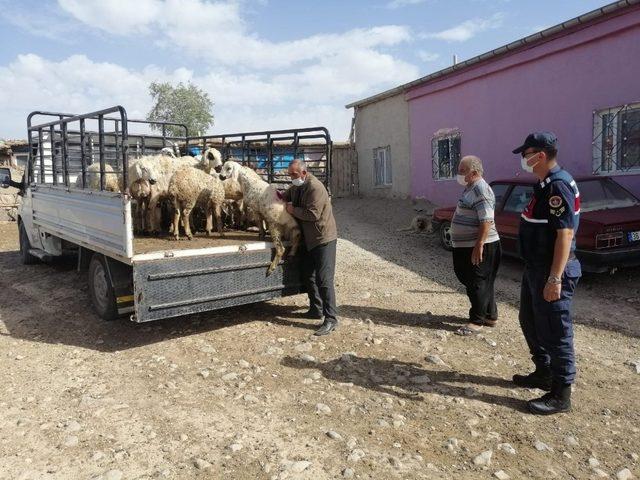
x,y
516,45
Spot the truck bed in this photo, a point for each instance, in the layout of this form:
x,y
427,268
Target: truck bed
x,y
200,240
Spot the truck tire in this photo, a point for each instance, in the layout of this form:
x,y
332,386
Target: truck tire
x,y
100,288
445,236
25,245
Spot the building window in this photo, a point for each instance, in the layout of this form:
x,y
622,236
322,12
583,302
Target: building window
x,y
382,166
616,140
445,154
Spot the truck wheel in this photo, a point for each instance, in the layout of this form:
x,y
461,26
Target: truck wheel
x,y
445,236
100,288
25,256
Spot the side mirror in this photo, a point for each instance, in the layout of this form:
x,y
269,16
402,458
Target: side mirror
x,y
5,177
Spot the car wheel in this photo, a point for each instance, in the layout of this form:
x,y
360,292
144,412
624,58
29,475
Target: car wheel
x,y
101,290
25,246
445,236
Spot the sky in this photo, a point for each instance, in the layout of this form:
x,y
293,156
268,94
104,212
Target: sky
x,y
267,64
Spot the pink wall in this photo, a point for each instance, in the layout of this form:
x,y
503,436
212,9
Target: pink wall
x,y
554,86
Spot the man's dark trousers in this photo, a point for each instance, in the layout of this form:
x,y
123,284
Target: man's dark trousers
x,y
547,326
479,280
318,270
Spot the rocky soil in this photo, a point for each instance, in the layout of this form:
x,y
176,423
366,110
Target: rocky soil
x,y
247,393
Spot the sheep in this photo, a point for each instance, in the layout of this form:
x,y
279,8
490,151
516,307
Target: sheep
x,y
112,180
264,199
169,152
211,160
189,187
157,170
248,216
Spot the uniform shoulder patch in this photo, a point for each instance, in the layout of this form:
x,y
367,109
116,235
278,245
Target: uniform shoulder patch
x,y
555,201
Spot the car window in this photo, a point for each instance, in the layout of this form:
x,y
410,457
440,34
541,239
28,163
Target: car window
x,y
499,190
604,194
519,198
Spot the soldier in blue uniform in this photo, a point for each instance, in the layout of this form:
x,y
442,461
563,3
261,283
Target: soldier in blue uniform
x,y
547,243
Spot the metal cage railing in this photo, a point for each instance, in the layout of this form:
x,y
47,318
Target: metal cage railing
x,y
62,148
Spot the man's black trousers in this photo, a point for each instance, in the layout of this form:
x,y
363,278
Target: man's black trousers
x,y
479,280
318,270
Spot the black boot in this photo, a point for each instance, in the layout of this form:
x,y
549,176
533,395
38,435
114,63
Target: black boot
x,y
327,327
313,314
558,400
540,378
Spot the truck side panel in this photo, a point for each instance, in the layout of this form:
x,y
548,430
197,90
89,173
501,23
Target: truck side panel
x,y
97,220
170,287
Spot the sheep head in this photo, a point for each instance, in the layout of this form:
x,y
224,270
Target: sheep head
x,y
168,151
212,160
230,169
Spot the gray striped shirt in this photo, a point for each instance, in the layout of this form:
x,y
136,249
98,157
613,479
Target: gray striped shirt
x,y
476,205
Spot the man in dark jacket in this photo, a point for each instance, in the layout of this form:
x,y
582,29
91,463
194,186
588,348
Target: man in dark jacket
x,y
308,201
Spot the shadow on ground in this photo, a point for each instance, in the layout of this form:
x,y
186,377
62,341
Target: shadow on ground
x,y
49,303
407,380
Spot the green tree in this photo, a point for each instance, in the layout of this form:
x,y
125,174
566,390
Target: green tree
x,y
185,104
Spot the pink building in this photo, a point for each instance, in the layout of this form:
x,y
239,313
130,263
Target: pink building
x,y
580,79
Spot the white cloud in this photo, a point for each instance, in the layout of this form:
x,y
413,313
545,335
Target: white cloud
x,y
403,3
428,56
313,96
217,32
468,29
241,71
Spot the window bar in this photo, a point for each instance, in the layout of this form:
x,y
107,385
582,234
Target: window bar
x,y
90,145
164,135
125,154
101,148
83,159
29,172
270,156
222,152
52,137
142,145
41,153
63,153
117,123
243,147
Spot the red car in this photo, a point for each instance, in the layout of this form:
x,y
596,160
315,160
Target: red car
x,y
609,232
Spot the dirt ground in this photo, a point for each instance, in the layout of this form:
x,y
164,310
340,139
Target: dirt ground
x,y
247,393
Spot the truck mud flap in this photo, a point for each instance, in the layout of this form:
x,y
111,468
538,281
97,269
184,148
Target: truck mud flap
x,y
170,287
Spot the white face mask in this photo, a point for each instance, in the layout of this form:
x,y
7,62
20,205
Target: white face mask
x,y
460,179
525,166
297,182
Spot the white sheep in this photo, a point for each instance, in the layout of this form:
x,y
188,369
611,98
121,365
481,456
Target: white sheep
x,y
212,160
190,187
112,180
157,170
264,199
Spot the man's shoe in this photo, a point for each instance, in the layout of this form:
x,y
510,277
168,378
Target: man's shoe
x,y
541,379
558,400
312,314
326,328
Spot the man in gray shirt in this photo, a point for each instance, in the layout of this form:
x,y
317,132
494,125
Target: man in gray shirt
x,y
476,245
